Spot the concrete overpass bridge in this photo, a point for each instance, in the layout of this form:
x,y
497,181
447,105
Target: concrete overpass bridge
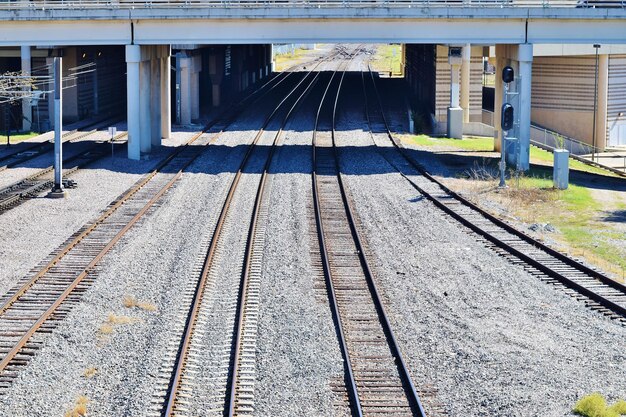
x,y
147,29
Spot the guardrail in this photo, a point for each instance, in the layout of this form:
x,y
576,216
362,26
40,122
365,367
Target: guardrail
x,y
131,4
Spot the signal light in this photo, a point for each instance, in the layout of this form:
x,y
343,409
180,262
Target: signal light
x,y
508,75
507,117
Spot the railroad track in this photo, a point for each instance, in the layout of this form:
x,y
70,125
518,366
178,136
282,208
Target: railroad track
x,y
46,295
37,149
377,377
31,186
232,301
597,290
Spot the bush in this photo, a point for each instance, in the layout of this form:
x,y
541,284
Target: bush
x,y
594,405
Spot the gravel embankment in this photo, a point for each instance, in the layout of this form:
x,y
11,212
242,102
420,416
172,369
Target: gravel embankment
x,y
297,349
152,263
36,227
491,338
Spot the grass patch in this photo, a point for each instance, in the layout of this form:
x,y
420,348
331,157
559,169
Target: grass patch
x,y
79,409
594,405
470,143
131,302
285,61
388,58
19,137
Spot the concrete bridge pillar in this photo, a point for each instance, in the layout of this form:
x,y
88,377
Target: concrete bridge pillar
x,y
144,106
27,110
602,104
133,59
465,82
525,59
216,71
183,76
520,58
166,101
196,67
148,97
155,101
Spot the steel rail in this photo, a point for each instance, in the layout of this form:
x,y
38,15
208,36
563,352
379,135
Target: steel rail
x,y
352,389
183,350
602,278
407,382
47,145
243,292
125,197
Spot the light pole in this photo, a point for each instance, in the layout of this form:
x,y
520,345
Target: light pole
x,y
595,104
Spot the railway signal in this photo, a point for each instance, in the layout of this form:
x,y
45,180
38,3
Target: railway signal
x,y
507,121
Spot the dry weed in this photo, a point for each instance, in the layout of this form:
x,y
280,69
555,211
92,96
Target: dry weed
x,y
130,302
90,372
80,408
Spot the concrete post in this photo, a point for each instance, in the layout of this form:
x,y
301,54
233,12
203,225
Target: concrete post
x,y
465,82
27,110
195,86
144,106
133,58
455,113
155,101
501,62
185,89
602,104
525,59
166,99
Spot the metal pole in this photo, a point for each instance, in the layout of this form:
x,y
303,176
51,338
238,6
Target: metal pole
x,y
57,189
595,104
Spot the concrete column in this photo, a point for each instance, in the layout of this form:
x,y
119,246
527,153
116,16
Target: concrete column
x,y
27,110
133,58
184,67
155,101
166,99
455,113
465,82
603,96
501,62
525,59
144,106
195,87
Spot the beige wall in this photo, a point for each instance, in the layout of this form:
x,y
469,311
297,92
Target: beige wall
x,y
562,96
442,100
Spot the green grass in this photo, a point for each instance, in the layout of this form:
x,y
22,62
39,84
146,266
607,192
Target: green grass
x,y
388,58
17,137
478,144
594,405
485,144
284,61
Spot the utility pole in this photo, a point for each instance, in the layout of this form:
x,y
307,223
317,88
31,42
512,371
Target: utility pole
x,y
57,188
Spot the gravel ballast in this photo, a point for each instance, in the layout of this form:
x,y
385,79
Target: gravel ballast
x,y
491,338
298,353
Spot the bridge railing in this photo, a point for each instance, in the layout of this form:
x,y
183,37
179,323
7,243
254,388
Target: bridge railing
x,y
129,4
